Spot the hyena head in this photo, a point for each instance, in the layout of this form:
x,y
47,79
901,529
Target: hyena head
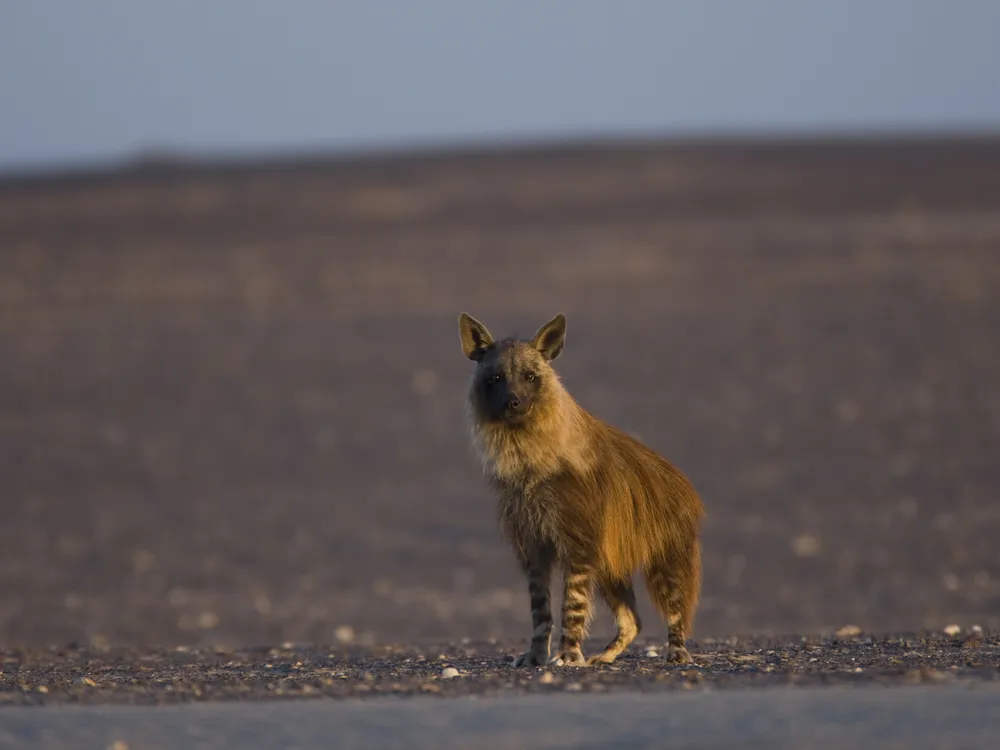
x,y
513,379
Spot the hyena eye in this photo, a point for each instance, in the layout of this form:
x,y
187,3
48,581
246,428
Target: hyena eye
x,y
494,379
529,376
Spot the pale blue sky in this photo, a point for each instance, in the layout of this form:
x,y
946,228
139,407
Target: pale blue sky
x,y
85,81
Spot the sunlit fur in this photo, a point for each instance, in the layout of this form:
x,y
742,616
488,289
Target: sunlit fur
x,y
579,495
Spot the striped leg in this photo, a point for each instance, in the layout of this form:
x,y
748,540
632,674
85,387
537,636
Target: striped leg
x,y
539,573
575,614
620,596
674,584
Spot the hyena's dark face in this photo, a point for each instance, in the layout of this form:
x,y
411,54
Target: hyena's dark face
x,y
510,374
507,382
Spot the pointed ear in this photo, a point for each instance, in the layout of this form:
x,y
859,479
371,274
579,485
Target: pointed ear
x,y
551,337
475,338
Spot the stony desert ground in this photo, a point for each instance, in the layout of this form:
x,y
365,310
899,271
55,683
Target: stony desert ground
x,y
231,431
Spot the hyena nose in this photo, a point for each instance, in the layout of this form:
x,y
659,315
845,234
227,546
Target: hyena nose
x,y
513,402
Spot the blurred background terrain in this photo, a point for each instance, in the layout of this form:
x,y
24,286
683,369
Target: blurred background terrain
x,y
231,386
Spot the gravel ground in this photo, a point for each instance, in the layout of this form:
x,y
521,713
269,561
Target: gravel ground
x,y
129,676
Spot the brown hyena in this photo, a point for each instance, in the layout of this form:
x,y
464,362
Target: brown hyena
x,y
577,494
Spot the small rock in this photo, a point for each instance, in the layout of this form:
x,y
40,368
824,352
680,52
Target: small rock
x,y
848,631
208,620
42,689
344,634
952,630
977,629
85,681
806,545
652,653
448,673
574,687
547,678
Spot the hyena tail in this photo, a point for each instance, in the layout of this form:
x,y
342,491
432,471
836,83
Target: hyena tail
x,y
673,581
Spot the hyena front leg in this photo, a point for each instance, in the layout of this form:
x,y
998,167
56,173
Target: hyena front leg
x,y
579,587
538,569
620,596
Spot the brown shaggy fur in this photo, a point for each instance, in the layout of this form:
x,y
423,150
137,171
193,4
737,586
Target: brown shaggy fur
x,y
577,494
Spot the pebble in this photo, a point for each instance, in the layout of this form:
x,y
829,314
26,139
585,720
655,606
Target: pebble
x,y
448,673
848,631
574,687
208,620
652,653
344,633
547,678
806,545
952,630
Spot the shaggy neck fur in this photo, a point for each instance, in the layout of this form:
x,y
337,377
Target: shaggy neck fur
x,y
553,439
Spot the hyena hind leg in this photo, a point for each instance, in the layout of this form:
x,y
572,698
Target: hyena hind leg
x,y
620,597
674,584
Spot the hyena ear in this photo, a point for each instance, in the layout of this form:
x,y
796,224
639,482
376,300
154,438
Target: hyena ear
x,y
475,338
551,337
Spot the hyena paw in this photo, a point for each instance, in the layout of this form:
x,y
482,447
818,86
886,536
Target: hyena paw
x,y
679,655
605,657
568,659
531,659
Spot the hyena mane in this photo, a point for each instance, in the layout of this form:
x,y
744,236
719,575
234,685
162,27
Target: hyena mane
x,y
577,495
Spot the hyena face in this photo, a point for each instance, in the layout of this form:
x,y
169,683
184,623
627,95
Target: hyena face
x,y
511,374
507,382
